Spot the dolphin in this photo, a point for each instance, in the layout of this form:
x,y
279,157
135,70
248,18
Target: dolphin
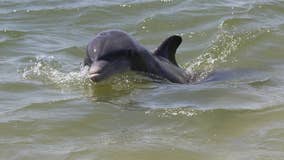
x,y
114,51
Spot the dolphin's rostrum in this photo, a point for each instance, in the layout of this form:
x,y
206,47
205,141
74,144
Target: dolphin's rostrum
x,y
114,51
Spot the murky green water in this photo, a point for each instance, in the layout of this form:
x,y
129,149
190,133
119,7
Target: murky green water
x,y
49,110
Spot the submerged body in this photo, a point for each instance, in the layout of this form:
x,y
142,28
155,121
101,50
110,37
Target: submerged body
x,y
114,51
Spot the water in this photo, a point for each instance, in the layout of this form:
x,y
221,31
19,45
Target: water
x,y
50,110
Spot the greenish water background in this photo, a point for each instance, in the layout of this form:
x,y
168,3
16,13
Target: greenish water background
x,y
49,110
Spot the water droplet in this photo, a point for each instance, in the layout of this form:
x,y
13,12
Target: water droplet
x,y
174,114
125,5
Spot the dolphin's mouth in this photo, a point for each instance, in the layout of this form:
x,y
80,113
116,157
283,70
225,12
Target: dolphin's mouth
x,y
97,76
98,71
91,75
101,70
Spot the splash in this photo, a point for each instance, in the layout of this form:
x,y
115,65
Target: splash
x,y
220,51
173,112
47,69
50,71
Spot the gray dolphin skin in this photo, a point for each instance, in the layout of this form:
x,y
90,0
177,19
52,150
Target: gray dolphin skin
x,y
114,51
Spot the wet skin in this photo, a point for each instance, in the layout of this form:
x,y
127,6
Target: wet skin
x,y
114,51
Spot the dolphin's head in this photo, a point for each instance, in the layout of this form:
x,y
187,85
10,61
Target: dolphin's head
x,y
106,58
105,65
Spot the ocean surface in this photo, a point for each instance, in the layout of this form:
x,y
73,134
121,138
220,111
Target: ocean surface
x,y
50,110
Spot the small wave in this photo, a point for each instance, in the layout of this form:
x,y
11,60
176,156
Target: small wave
x,y
6,35
13,33
173,112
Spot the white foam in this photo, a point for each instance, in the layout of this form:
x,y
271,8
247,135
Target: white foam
x,y
47,69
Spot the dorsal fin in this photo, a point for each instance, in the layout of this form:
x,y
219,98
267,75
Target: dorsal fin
x,y
168,48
